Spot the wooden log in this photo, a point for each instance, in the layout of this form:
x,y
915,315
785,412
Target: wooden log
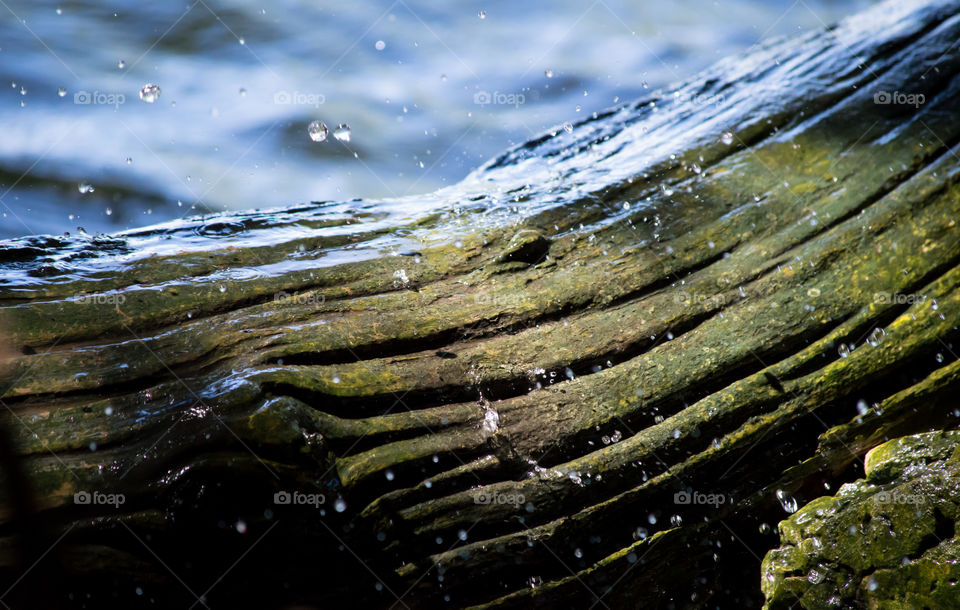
x,y
590,375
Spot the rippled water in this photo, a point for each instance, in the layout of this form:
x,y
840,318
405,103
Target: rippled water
x,y
428,91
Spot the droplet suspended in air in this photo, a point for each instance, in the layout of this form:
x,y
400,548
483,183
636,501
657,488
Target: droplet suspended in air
x,y
150,93
789,503
727,138
548,73
380,45
482,14
340,505
568,127
62,92
318,131
85,188
121,64
342,132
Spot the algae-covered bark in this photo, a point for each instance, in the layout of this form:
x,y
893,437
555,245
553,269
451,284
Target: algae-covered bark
x,y
593,374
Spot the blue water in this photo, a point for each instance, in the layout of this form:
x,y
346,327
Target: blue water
x,y
429,90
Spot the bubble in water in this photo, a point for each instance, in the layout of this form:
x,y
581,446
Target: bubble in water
x,y
61,91
150,93
875,337
318,131
342,132
381,45
843,350
727,138
789,503
548,73
568,127
482,14
85,188
340,505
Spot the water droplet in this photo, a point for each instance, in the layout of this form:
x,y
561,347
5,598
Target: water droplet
x,y
128,160
933,305
568,127
577,553
676,520
318,131
109,212
62,92
243,92
816,575
149,93
862,407
548,73
381,45
535,581
875,337
843,350
241,527
389,474
342,132
462,534
336,379
85,188
789,503
727,138
482,14
764,528
939,357
121,64
340,505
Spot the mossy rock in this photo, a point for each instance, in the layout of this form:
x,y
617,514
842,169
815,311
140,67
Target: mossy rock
x,y
886,542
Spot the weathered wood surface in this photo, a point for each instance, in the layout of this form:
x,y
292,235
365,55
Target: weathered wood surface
x,y
658,302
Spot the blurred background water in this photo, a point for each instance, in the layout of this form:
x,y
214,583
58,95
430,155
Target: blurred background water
x,y
429,91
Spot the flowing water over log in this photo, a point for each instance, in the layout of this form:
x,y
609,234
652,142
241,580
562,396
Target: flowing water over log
x,y
593,374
